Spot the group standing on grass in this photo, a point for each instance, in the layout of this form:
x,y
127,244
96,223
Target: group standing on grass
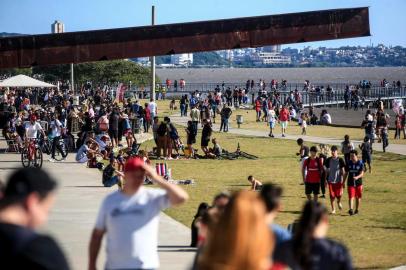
x,y
335,172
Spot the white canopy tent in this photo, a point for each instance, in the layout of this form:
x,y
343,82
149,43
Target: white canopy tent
x,y
24,81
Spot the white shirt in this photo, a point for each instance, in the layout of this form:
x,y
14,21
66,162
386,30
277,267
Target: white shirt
x,y
131,223
31,130
56,128
152,107
272,115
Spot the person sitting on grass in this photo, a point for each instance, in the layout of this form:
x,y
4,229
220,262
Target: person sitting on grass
x,y
111,176
214,152
255,184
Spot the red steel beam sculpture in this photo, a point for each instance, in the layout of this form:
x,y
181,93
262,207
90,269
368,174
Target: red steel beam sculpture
x,y
98,45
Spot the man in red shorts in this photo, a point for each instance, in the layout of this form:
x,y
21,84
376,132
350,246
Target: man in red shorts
x,y
335,169
314,167
354,172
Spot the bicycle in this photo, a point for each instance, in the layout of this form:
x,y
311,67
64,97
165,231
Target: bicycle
x,y
31,153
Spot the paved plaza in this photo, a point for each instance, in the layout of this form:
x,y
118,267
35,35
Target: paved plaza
x,y
80,194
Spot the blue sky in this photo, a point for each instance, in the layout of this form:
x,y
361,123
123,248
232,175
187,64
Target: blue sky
x,y
387,17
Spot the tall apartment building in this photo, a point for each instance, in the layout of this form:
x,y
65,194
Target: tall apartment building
x,y
57,27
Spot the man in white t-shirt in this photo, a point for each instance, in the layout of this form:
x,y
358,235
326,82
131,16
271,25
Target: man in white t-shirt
x,y
130,219
32,128
153,108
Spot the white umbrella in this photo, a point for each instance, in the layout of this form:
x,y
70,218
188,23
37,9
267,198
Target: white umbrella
x,y
24,81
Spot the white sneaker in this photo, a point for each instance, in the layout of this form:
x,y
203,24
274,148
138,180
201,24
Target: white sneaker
x,y
340,206
51,160
333,212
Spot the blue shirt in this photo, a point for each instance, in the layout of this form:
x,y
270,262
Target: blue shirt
x,y
281,234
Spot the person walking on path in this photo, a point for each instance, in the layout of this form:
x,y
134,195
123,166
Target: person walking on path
x,y
24,207
272,121
130,219
225,114
284,119
335,170
314,168
354,173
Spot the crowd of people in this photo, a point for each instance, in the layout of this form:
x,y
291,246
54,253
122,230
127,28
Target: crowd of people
x,y
237,231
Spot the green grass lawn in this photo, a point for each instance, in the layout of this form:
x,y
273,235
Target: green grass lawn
x,y
376,237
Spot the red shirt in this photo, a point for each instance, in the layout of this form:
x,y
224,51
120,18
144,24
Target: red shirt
x,y
257,105
313,170
284,115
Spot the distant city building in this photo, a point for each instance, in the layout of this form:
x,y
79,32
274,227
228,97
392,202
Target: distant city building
x,y
270,58
143,61
183,59
57,27
272,48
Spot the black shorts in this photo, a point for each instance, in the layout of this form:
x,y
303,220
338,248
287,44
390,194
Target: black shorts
x,y
366,158
312,188
113,134
205,143
191,140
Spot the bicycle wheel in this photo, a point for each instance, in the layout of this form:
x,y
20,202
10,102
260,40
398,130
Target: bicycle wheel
x,y
249,156
25,160
38,159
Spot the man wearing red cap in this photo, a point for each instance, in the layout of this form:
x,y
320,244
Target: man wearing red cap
x,y
32,128
130,218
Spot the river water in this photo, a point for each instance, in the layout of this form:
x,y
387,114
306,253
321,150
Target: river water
x,y
292,75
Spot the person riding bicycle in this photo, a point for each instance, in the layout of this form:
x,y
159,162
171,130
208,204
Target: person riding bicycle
x,y
56,132
32,128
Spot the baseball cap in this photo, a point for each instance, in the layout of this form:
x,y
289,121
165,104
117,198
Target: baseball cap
x,y
25,181
133,164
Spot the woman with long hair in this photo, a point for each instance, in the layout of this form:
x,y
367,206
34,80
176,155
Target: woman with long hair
x,y
241,240
194,229
310,249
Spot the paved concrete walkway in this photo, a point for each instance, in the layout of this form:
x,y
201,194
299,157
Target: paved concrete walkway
x,y
79,196
392,148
